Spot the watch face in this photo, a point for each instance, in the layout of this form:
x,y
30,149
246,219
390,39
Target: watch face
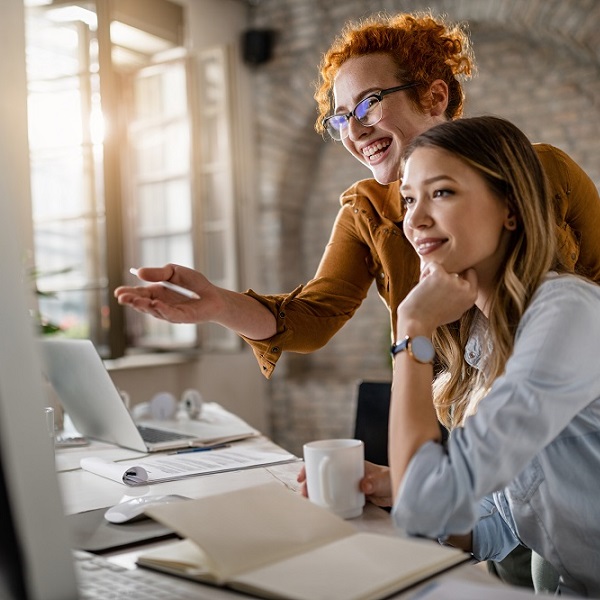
x,y
422,349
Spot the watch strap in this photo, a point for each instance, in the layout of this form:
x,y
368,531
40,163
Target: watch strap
x,y
419,348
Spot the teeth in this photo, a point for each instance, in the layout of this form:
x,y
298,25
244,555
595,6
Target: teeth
x,y
426,245
375,148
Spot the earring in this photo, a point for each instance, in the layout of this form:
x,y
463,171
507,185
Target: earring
x,y
511,224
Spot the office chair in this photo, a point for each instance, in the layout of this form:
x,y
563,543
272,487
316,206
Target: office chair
x,y
372,415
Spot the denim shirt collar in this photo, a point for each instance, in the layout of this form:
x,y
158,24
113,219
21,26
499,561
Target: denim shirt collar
x,y
478,347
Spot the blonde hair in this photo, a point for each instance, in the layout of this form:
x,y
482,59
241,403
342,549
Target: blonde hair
x,y
506,160
424,49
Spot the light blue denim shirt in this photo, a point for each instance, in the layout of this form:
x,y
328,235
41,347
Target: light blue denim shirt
x,y
526,467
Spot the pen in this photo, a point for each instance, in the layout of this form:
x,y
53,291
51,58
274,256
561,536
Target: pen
x,y
170,286
206,449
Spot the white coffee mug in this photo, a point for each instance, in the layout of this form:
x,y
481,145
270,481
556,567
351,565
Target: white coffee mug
x,y
334,469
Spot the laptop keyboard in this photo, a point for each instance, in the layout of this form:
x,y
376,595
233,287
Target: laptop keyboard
x,y
155,436
100,579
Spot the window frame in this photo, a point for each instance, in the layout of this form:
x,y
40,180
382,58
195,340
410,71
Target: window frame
x,y
220,259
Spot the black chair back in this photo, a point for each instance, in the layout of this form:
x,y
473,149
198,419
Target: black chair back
x,y
372,413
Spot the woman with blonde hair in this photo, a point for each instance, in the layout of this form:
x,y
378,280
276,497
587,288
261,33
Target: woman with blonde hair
x,y
516,338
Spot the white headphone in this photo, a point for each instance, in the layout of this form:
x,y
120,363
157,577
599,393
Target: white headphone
x,y
164,406
191,403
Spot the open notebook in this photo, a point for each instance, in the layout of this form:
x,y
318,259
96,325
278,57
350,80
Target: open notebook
x,y
271,542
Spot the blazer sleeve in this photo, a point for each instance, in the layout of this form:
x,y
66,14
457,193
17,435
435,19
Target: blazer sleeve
x,y
308,317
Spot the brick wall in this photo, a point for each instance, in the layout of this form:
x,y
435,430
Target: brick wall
x,y
539,63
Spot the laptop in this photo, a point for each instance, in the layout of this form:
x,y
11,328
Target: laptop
x,y
93,403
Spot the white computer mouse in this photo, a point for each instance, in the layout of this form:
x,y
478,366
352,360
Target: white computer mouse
x,y
130,510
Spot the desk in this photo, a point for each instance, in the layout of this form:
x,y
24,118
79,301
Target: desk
x,y
83,491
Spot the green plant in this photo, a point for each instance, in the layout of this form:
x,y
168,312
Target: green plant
x,y
45,325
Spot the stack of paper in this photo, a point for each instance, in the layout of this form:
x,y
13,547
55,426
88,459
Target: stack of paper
x,y
169,467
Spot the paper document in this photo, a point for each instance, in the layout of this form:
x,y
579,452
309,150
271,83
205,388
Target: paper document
x,y
168,467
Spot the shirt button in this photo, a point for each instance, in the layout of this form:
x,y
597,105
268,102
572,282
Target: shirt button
x,y
275,350
281,315
356,210
471,354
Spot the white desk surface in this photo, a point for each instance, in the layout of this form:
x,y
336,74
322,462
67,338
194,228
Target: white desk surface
x,y
83,491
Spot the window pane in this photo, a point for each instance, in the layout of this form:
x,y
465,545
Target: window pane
x,y
147,97
151,208
149,152
213,80
55,117
214,140
160,92
162,334
158,251
69,246
178,205
71,309
162,150
165,207
58,185
174,87
177,146
52,49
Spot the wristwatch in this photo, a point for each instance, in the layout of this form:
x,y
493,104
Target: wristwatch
x,y
419,348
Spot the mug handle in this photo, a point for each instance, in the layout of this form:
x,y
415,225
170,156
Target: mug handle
x,y
324,479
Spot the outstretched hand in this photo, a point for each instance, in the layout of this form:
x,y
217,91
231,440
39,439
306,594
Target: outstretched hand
x,y
238,312
160,302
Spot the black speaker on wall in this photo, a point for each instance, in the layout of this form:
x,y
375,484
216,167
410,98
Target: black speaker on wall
x,y
257,46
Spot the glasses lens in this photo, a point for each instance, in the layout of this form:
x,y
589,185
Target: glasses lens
x,y
337,126
368,112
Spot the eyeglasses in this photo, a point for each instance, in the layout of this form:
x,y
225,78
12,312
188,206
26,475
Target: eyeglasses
x,y
367,112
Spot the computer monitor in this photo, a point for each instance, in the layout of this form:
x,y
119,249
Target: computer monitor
x,y
35,556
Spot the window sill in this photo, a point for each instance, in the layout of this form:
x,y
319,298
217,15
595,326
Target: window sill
x,y
155,359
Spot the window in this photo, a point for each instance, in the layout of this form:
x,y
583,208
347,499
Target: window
x,y
160,185
128,168
65,139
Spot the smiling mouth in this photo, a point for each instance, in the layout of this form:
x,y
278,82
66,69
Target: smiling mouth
x,y
376,150
424,248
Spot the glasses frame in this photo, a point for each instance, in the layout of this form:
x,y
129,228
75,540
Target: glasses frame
x,y
379,96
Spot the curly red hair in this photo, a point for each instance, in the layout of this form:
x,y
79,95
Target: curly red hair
x,y
423,47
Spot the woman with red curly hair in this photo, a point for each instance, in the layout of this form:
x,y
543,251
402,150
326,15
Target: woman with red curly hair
x,y
384,80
